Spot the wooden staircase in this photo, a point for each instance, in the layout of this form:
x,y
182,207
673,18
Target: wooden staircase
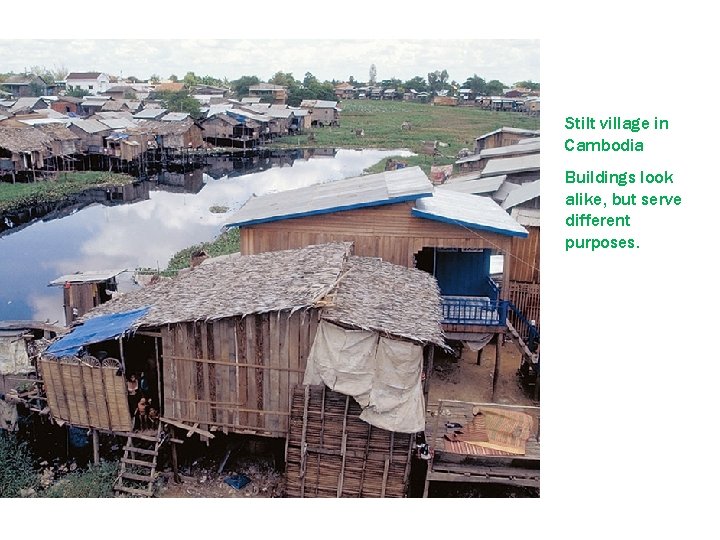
x,y
138,466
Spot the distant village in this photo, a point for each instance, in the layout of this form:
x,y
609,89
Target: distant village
x,y
43,128
364,325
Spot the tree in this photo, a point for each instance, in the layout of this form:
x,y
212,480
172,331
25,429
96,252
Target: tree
x,y
351,80
417,83
190,79
154,78
530,85
77,92
476,84
373,75
495,88
284,79
173,78
241,86
180,101
310,80
437,81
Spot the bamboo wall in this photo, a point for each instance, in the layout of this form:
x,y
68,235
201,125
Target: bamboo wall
x,y
388,232
236,374
525,253
86,396
332,453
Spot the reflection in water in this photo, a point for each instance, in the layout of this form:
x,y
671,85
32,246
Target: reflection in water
x,y
146,233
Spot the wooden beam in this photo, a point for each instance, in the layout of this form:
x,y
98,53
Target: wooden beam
x,y
192,429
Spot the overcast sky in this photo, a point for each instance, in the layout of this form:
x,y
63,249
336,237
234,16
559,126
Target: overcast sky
x,y
508,60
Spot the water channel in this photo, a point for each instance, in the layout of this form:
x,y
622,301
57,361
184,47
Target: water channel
x,y
166,218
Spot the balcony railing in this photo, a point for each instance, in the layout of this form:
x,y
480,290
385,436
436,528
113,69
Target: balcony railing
x,y
479,310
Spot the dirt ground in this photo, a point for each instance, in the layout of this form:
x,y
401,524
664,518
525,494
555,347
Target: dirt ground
x,y
461,378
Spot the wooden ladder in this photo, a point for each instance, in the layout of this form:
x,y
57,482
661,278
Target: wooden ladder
x,y
138,466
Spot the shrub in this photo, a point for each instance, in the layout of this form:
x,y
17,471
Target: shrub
x,y
16,467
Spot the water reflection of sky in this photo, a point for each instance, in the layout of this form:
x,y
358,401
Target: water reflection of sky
x,y
142,234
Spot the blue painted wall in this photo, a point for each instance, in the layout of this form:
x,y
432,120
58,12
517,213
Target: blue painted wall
x,y
463,273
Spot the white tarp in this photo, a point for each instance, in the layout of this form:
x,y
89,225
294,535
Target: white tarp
x,y
382,374
13,355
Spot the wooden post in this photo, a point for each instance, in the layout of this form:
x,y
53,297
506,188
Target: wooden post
x,y
428,374
96,447
174,456
496,369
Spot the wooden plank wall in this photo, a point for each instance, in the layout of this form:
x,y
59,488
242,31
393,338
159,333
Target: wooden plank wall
x,y
86,396
236,374
332,453
388,232
525,253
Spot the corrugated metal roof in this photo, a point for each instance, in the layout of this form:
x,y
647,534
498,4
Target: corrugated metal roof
x,y
118,123
501,194
527,148
531,140
471,211
524,193
476,186
175,116
527,217
518,131
90,126
511,165
372,190
87,277
150,113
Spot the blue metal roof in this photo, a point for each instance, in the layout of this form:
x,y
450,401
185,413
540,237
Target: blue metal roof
x,y
467,210
95,330
388,187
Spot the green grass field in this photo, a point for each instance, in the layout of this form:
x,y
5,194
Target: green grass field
x,y
381,121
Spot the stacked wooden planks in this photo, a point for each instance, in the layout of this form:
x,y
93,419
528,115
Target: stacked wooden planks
x,y
332,453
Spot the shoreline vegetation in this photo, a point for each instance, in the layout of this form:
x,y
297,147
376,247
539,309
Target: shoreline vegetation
x,y
363,124
54,190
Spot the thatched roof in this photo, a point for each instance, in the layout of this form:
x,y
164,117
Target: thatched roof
x,y
359,292
235,285
162,128
376,295
58,132
23,139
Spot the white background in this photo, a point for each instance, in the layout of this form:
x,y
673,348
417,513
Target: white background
x,y
630,338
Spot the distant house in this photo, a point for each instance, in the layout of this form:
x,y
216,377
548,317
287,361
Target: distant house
x,y
503,137
344,90
66,105
169,87
322,113
236,131
22,149
269,93
28,85
92,133
119,92
92,82
28,104
150,114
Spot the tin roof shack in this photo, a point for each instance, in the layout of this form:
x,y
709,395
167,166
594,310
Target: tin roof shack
x,y
66,105
20,344
92,133
269,93
399,217
477,162
278,117
83,291
27,85
503,137
64,143
322,113
23,151
92,82
231,130
174,137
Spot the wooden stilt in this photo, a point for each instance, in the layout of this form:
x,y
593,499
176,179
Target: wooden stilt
x,y
96,447
174,456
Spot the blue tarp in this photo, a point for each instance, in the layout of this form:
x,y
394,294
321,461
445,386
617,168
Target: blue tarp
x,y
94,331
